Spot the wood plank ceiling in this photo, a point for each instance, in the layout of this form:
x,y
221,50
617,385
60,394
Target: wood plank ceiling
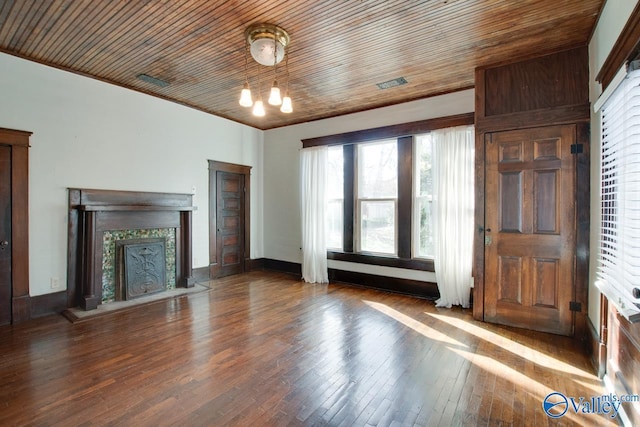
x,y
339,49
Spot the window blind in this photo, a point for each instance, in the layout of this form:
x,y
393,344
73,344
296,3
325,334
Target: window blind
x,y
619,259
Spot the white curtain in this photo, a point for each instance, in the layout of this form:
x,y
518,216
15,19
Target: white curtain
x,y
453,213
313,171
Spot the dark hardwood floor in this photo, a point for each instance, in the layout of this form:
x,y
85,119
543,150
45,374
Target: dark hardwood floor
x,y
264,349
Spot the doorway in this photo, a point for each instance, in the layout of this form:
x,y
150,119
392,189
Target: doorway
x,y
530,228
15,305
229,219
5,235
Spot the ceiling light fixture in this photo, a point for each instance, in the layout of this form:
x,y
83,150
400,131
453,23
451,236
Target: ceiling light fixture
x,y
286,101
268,45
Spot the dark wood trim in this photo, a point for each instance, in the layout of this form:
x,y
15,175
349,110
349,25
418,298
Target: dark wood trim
x,y
394,131
47,304
583,223
184,257
625,48
596,349
349,179
19,142
14,137
406,263
478,240
283,266
256,264
91,212
75,237
477,292
536,118
214,168
414,288
109,200
604,327
134,208
405,196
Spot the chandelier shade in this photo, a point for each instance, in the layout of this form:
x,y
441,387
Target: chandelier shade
x,y
245,96
263,39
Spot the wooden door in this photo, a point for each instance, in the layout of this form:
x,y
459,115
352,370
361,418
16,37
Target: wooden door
x,y
530,228
230,224
5,235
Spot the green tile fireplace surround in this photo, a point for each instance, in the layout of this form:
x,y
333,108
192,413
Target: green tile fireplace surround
x,y
109,256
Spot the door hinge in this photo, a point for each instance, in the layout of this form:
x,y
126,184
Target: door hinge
x,y
577,148
575,306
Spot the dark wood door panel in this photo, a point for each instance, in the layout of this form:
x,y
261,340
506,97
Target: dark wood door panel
x,y
229,218
5,235
230,222
530,228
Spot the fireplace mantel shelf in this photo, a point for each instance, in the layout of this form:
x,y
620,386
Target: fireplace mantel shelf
x,y
130,208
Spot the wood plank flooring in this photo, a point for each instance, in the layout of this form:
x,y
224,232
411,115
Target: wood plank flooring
x,y
264,349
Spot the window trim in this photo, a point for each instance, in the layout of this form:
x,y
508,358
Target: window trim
x,y
394,131
403,133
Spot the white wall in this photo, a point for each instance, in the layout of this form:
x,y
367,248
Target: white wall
x,y
90,134
610,23
282,236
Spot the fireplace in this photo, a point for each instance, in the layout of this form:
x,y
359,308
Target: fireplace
x,y
104,222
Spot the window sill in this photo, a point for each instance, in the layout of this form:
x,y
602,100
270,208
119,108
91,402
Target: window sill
x,y
627,309
410,264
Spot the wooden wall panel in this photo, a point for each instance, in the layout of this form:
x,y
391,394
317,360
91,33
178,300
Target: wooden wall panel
x,y
623,363
547,82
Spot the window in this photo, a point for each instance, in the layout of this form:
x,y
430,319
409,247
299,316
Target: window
x,y
619,261
423,197
377,196
379,193
335,198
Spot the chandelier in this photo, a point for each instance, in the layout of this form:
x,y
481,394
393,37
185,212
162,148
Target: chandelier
x,y
267,44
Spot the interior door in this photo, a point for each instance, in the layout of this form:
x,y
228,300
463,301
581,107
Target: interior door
x,y
5,235
530,228
230,222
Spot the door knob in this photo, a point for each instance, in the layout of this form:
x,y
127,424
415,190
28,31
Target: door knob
x,y
3,244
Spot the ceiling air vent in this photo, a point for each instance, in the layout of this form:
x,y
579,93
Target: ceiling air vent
x,y
153,80
392,83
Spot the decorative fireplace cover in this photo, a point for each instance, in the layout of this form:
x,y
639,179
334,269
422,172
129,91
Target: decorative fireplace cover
x,y
142,268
